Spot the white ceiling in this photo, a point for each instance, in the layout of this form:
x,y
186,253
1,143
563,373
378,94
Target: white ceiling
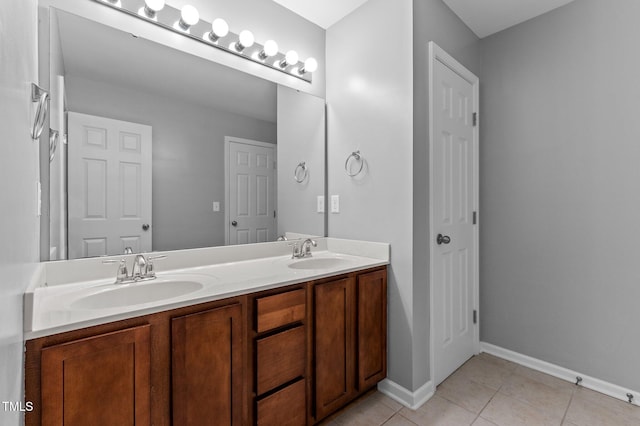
x,y
484,17
323,13
102,53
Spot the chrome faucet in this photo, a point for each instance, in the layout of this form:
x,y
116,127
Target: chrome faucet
x,y
304,250
142,269
139,269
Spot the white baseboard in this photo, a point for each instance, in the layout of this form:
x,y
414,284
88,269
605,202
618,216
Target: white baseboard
x,y
588,382
406,397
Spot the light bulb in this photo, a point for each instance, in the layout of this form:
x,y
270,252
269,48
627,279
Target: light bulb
x,y
245,40
291,58
219,29
155,5
310,65
151,7
189,16
270,49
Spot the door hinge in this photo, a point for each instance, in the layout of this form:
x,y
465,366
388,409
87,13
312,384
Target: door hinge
x,y
475,119
475,218
274,213
475,316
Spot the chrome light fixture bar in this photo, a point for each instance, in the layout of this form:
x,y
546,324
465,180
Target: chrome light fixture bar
x,y
187,22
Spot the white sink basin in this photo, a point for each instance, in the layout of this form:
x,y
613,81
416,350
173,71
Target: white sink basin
x,y
318,263
137,294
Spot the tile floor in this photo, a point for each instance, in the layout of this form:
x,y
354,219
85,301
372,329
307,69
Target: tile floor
x,y
490,391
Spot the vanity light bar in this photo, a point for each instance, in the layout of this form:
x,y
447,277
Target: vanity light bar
x,y
187,22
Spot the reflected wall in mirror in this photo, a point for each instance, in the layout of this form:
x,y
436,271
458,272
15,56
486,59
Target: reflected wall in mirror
x,y
163,150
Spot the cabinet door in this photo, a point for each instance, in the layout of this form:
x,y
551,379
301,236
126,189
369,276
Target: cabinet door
x,y
207,367
334,345
100,380
372,328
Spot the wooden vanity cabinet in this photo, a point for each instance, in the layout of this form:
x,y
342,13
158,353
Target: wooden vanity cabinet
x,y
183,367
287,357
279,343
334,330
207,365
99,380
371,331
350,327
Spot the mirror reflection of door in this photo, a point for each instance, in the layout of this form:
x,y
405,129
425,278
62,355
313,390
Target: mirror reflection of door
x,y
251,189
109,186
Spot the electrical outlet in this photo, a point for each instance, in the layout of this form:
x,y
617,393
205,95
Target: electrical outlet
x,y
335,204
320,208
216,206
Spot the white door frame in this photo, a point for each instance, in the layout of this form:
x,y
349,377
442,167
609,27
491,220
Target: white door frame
x,y
227,196
438,54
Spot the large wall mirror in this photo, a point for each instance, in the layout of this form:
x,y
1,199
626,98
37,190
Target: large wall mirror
x,y
154,149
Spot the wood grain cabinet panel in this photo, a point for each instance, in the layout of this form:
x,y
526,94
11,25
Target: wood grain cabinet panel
x,y
280,359
372,328
100,380
207,373
286,407
334,345
280,309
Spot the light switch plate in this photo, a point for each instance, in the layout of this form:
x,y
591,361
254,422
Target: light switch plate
x,y
335,204
216,206
320,208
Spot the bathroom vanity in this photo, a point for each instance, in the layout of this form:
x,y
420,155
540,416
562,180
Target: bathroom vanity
x,y
285,342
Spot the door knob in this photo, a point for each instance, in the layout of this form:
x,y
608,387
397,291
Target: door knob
x,y
145,227
443,239
234,223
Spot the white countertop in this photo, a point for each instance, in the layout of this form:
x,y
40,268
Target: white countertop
x,y
53,306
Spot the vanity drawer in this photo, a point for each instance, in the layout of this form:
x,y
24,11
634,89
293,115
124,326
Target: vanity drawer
x,y
280,359
286,407
281,309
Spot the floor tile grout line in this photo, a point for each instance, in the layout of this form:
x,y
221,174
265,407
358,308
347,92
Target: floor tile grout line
x,y
566,411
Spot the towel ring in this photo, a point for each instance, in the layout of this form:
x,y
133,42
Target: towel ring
x,y
40,96
54,137
301,172
357,157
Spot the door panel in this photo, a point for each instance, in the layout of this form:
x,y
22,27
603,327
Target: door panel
x,y
207,367
334,328
252,189
101,380
109,186
453,198
372,328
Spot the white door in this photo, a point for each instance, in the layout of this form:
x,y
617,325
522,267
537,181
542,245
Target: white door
x,y
454,145
251,189
109,186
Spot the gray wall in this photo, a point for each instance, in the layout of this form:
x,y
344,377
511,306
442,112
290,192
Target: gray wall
x,y
432,21
19,225
301,137
369,107
560,158
188,157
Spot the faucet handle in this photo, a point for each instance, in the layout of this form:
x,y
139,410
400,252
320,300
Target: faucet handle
x,y
123,273
295,251
150,267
